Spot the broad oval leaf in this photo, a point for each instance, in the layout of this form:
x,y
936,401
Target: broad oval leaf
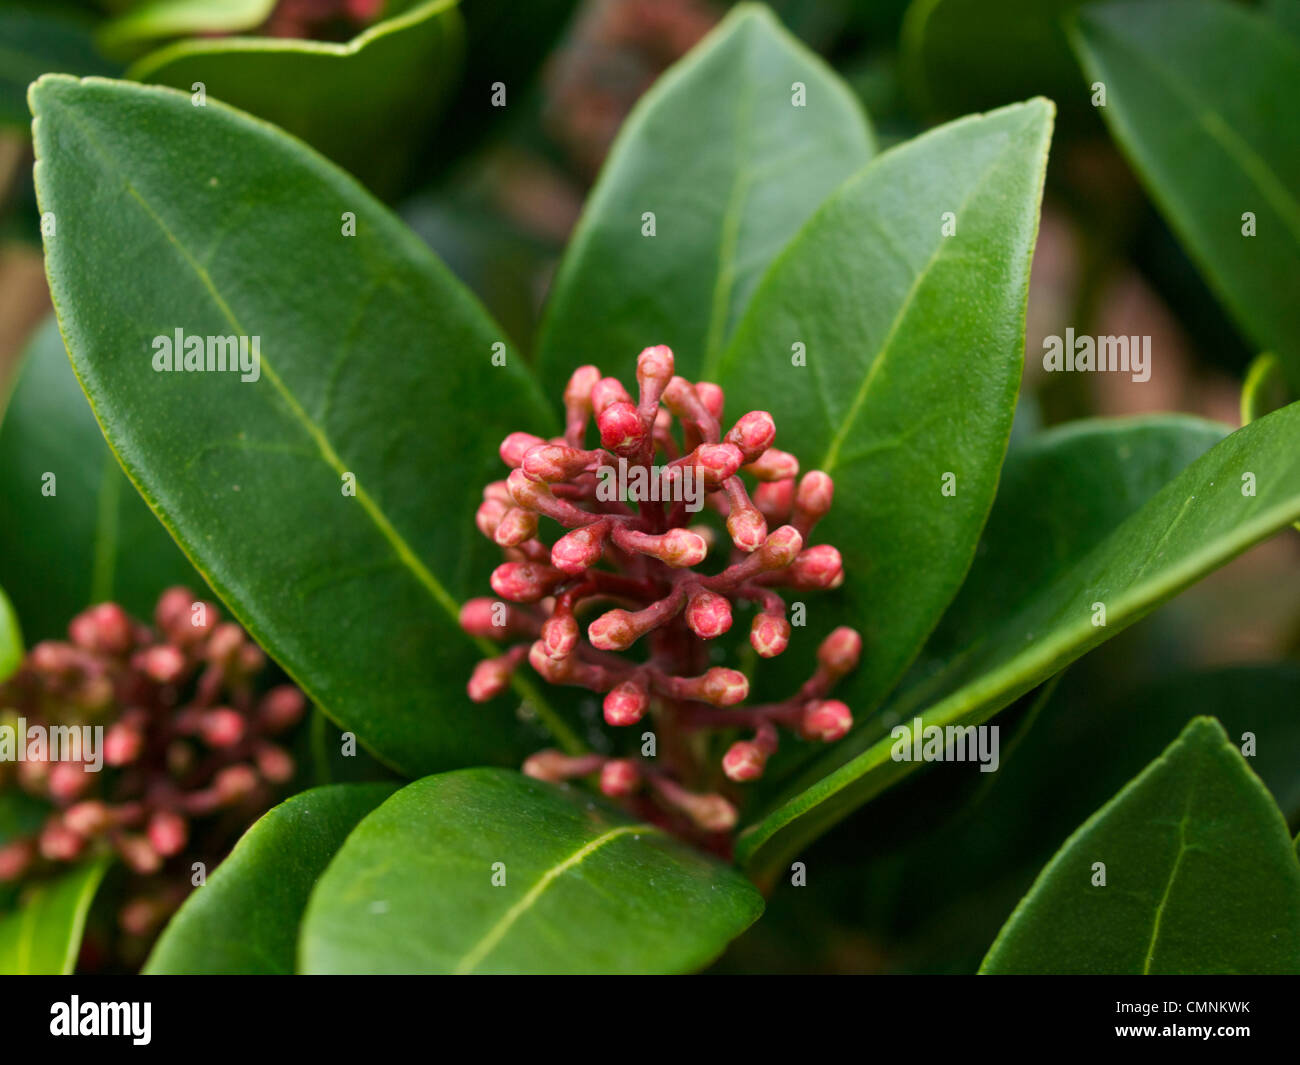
x,y
1197,522
1265,388
376,378
730,166
1201,96
913,342
245,918
156,20
366,104
73,530
584,889
42,936
1200,877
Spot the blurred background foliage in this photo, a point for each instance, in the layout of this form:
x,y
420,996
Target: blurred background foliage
x,y
922,879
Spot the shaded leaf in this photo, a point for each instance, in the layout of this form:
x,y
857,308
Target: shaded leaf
x,y
731,169
42,936
585,890
1200,876
1197,522
37,42
94,539
245,918
1201,96
365,104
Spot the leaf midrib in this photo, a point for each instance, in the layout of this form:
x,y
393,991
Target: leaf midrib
x,y
489,941
400,547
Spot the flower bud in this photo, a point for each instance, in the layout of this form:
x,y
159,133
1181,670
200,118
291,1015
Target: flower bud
x,y
122,744
489,515
818,567
515,446
626,703
104,629
58,842
708,614
280,708
769,635
614,630
275,764
744,761
720,687
551,463
15,859
161,663
774,465
775,500
826,720
167,832
516,526
222,727
712,397
619,776
88,818
606,392
554,670
139,854
173,609
781,548
654,367
621,428
577,393
524,582
235,783
559,636
747,528
840,651
813,500
490,678
580,549
67,781
555,765
753,434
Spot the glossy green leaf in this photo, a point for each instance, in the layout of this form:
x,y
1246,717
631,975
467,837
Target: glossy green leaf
x,y
585,889
366,104
1201,96
1198,521
1060,493
374,363
93,539
11,638
730,169
1200,877
156,20
35,42
43,935
914,343
245,918
1286,13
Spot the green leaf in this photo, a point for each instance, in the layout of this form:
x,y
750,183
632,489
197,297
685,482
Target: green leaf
x,y
40,42
1265,388
586,890
11,638
1286,13
20,814
731,169
156,20
1197,522
245,918
914,343
1201,96
366,104
94,539
1200,877
375,362
42,936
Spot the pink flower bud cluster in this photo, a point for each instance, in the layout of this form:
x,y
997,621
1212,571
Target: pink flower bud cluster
x,y
188,743
623,575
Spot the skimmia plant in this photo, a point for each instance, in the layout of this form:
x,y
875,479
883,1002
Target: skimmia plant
x,y
605,752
